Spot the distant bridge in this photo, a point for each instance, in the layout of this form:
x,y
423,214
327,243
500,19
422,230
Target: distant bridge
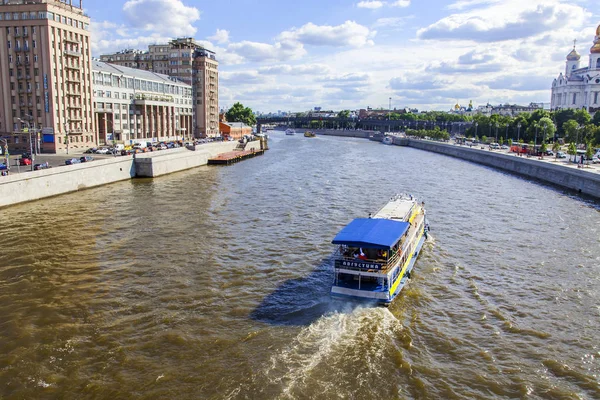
x,y
381,125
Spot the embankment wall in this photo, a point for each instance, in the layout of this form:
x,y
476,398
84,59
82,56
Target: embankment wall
x,y
579,180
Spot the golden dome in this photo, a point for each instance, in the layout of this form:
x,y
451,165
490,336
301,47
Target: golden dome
x,y
573,56
595,48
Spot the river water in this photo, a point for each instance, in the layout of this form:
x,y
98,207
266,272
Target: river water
x,y
213,284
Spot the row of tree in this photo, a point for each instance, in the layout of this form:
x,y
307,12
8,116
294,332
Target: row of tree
x,y
435,133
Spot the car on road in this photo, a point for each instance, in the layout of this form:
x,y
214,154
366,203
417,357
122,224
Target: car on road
x,y
73,160
86,158
494,146
162,146
91,150
24,161
102,150
595,159
561,154
549,153
45,165
3,167
504,147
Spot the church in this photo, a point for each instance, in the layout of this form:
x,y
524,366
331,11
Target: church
x,y
579,87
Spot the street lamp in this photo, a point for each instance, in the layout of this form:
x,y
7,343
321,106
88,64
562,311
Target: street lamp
x,y
496,132
518,131
389,115
476,129
30,141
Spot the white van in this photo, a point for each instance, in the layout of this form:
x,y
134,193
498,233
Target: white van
x,y
119,147
140,145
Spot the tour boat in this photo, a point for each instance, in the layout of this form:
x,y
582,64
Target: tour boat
x,y
309,134
387,140
290,132
375,255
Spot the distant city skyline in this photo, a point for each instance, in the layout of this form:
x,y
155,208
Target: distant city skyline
x,y
357,54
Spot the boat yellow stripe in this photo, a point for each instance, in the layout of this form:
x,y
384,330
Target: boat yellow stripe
x,y
393,289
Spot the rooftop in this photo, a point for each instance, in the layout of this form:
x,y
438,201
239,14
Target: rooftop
x,y
100,66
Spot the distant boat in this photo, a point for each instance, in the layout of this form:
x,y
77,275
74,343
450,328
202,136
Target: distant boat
x,y
388,140
290,132
309,134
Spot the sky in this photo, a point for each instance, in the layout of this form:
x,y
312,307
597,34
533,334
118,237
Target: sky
x,y
343,54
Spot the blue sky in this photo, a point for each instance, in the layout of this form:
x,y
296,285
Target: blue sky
x,y
338,54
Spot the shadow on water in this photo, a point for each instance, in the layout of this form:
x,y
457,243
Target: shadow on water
x,y
300,302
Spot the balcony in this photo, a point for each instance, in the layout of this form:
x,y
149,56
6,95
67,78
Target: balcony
x,y
76,118
74,106
68,40
73,80
73,66
73,93
18,49
72,53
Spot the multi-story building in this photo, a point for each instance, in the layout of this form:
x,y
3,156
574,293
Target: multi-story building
x,y
206,93
45,74
579,87
188,61
134,105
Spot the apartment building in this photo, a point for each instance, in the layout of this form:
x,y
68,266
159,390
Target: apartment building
x,y
189,62
45,75
133,105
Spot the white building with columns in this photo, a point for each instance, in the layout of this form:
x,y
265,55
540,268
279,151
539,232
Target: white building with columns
x,y
579,87
132,105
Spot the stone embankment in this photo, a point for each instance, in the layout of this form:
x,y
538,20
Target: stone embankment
x,y
579,180
36,185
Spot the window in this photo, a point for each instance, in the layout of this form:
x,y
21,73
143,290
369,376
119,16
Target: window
x,y
574,98
34,44
9,44
595,97
598,63
35,58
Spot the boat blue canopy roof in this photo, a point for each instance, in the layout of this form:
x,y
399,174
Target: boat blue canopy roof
x,y
374,233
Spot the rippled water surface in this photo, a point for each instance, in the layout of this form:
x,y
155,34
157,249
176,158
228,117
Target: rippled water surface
x,y
213,283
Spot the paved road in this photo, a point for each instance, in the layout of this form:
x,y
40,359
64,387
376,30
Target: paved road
x,y
54,160
548,159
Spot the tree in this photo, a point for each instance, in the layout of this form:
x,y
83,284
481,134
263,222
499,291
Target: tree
x,y
596,119
344,114
556,149
572,150
239,113
570,128
550,128
589,151
582,116
543,148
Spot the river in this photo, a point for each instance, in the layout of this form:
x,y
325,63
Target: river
x,y
213,284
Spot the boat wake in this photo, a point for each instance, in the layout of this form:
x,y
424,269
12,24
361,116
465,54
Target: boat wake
x,y
341,345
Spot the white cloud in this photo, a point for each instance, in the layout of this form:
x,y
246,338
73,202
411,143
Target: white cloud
x,y
263,52
303,69
372,4
221,36
401,3
392,22
241,78
349,33
501,22
163,17
461,4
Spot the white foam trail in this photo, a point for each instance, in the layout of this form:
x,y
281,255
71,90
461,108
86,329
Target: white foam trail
x,y
329,338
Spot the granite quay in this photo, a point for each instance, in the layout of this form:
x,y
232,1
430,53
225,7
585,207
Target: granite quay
x,y
35,185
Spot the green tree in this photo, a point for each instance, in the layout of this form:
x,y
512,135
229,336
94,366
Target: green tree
x,y
572,150
484,139
596,119
570,128
560,117
556,149
344,114
543,148
589,151
550,128
239,113
582,116
510,142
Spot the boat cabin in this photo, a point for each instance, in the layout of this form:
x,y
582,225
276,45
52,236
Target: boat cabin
x,y
369,250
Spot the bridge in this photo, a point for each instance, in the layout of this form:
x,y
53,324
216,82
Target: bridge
x,y
381,125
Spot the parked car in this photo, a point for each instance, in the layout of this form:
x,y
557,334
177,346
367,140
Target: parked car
x,y
102,150
86,158
494,146
91,150
504,147
26,155
45,165
161,146
24,161
71,161
561,154
596,159
549,153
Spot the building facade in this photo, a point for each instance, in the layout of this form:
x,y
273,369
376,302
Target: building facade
x,y
579,87
45,75
188,61
133,105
